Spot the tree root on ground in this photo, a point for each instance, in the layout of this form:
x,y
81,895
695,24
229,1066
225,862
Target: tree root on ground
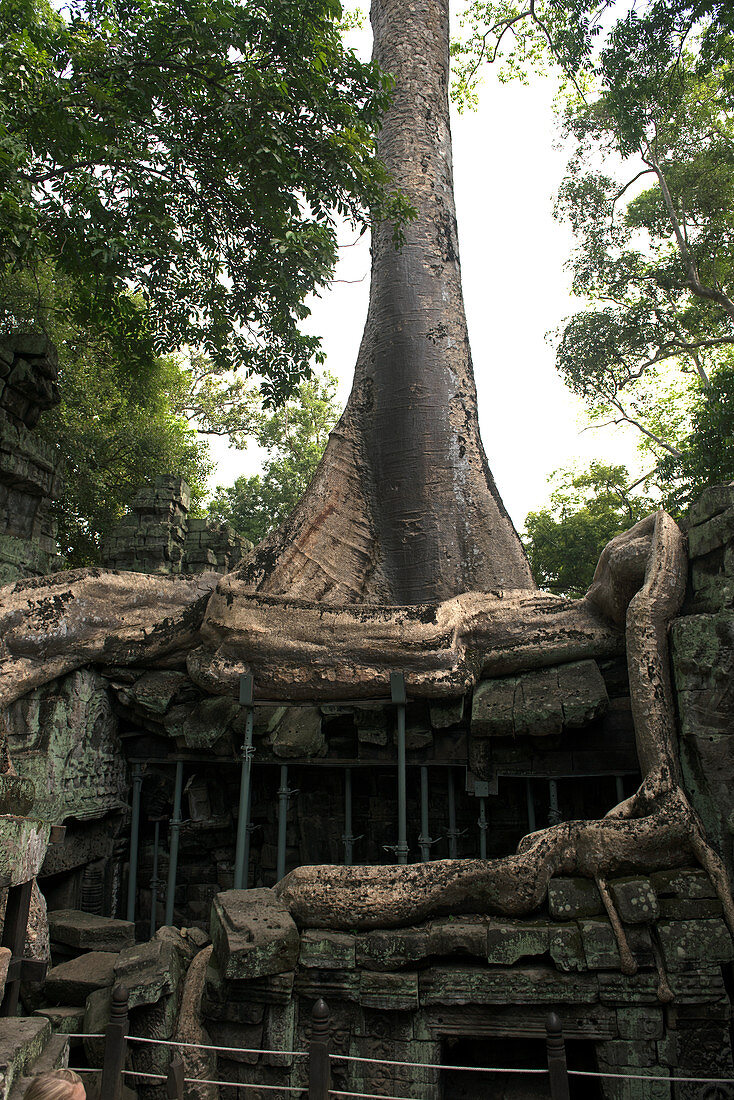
x,y
301,649
654,829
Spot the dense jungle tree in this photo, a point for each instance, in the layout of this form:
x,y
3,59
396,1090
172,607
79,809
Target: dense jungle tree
x,y
197,152
587,508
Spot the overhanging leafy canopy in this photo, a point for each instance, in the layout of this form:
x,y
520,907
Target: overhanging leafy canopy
x,y
196,151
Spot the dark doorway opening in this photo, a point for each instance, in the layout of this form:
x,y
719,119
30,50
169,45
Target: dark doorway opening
x,y
517,1053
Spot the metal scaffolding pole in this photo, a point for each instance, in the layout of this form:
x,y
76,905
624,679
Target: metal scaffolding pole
x,y
554,814
452,832
531,805
154,880
283,795
242,852
483,827
398,696
175,827
132,882
348,838
424,839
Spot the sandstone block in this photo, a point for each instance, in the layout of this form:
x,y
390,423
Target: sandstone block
x,y
600,945
391,949
509,941
462,936
570,898
328,950
21,1041
70,983
714,499
447,712
640,1023
686,942
90,932
539,703
711,535
684,882
389,992
502,986
253,934
153,970
299,733
635,899
566,947
66,1019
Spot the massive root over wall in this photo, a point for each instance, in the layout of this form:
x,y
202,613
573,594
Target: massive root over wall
x,y
302,649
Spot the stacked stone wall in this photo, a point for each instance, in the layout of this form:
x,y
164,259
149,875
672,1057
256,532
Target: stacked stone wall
x,y
402,994
159,536
703,661
30,471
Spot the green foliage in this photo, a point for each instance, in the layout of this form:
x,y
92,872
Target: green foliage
x,y
116,427
294,436
649,194
197,152
586,510
707,452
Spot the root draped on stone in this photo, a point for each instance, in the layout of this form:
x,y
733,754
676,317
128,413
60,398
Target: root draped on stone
x,y
302,649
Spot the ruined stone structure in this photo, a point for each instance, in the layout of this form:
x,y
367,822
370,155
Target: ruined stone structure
x,y
555,773
159,536
30,473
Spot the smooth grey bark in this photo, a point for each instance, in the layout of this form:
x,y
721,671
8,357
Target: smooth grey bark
x,y
403,508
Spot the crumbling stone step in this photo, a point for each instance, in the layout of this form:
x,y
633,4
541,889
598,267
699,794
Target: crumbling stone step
x,y
54,1055
22,1039
64,1018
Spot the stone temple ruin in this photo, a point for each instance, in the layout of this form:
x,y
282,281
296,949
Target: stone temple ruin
x,y
445,815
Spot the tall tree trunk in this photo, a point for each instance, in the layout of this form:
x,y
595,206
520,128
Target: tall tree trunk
x,y
403,508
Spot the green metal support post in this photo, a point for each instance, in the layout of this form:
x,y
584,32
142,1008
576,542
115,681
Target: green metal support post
x,y
399,698
173,844
283,795
482,823
155,882
452,832
424,840
132,881
242,852
348,838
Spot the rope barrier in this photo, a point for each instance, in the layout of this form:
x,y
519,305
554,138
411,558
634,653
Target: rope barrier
x,y
80,1035
204,1081
432,1065
654,1077
205,1046
366,1095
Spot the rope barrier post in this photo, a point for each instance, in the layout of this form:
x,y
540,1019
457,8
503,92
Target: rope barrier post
x,y
399,698
556,1052
242,853
115,1046
175,1078
132,880
319,1067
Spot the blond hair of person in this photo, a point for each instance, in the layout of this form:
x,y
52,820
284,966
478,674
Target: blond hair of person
x,y
57,1084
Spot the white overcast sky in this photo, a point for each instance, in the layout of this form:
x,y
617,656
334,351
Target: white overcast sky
x,y
516,289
